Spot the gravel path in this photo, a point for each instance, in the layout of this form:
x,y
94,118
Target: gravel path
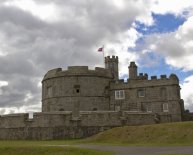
x,y
138,150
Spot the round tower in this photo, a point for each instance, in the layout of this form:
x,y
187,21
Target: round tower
x,y
111,63
132,70
76,89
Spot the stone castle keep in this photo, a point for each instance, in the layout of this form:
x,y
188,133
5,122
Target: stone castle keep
x,y
79,102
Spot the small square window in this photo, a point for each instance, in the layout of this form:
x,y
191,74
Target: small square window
x,y
141,93
76,89
119,94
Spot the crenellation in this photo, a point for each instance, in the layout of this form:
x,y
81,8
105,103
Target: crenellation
x,y
113,58
77,69
142,76
163,76
153,77
111,63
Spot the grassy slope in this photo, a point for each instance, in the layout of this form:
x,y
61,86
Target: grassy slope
x,y
160,134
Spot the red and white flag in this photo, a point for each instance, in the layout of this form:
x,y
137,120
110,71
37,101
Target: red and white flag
x,y
100,49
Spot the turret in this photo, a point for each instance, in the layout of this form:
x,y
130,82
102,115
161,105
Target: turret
x,y
112,65
132,71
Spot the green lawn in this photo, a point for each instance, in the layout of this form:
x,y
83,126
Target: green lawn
x,y
45,148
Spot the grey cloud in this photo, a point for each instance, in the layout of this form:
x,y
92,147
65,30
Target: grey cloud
x,y
19,17
33,46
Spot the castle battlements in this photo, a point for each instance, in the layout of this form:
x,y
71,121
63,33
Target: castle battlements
x,y
143,80
78,71
113,58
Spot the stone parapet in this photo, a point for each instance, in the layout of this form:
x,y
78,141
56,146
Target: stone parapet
x,y
78,71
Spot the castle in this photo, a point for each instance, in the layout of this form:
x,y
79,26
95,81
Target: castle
x,y
79,102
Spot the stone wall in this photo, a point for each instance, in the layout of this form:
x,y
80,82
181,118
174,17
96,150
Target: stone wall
x,y
58,125
157,94
62,89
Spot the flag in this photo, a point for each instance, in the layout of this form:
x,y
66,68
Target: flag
x,y
100,49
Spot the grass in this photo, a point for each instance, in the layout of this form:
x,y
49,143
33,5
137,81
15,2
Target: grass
x,y
160,134
175,154
45,148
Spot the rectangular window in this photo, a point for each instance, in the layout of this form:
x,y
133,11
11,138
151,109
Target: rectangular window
x,y
165,107
30,115
141,93
119,94
149,107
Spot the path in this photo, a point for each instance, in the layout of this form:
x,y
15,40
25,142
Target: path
x,y
139,150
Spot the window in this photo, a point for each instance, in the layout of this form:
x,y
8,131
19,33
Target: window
x,y
119,94
165,107
94,109
149,107
30,115
141,93
77,89
49,91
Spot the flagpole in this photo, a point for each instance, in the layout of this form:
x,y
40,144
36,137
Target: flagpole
x,y
101,49
104,55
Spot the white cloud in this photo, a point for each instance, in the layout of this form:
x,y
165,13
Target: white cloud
x,y
46,12
177,7
36,36
174,46
3,83
120,49
187,93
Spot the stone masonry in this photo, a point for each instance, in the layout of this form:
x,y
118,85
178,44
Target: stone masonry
x,y
79,102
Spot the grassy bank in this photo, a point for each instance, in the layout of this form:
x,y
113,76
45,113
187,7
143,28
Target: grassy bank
x,y
160,134
44,148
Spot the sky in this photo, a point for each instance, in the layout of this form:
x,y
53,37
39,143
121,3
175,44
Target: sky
x,y
36,36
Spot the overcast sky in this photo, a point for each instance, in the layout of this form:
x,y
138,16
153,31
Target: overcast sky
x,y
36,36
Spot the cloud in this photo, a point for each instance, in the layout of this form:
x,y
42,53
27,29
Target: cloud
x,y
36,36
187,93
175,46
177,7
34,40
176,49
